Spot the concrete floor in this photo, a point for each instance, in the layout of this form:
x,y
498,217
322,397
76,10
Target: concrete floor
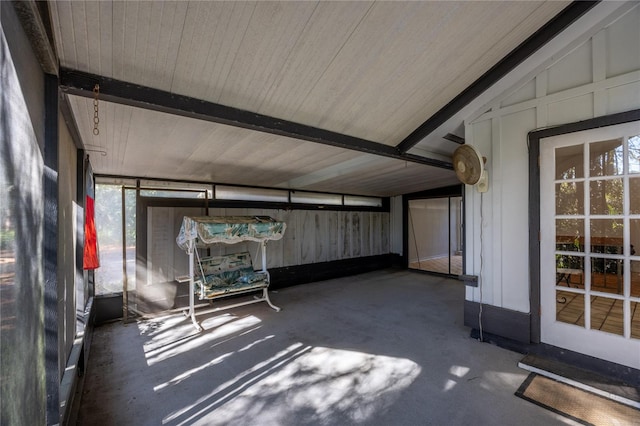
x,y
383,348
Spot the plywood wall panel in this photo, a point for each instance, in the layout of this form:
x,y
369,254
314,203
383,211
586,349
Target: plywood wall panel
x,y
356,234
365,234
374,233
289,253
344,236
385,234
306,225
322,237
160,243
311,236
333,251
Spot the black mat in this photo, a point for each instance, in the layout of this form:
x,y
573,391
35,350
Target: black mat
x,y
582,406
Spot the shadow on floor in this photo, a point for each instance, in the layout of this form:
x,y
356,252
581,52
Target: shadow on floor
x,y
379,348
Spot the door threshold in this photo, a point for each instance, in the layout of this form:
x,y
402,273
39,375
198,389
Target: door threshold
x,y
571,373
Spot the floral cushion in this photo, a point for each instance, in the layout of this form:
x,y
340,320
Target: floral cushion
x,y
229,274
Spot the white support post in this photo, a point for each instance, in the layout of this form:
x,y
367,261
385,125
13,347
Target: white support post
x,y
192,310
264,256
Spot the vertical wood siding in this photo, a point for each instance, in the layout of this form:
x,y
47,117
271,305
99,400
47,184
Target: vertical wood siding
x,y
311,237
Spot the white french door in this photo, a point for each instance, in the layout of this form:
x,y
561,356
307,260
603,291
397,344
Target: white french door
x,y
590,242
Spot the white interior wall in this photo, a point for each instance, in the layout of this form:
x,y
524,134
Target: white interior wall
x,y
601,76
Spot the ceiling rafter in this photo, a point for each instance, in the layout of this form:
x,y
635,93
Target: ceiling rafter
x,y
538,39
79,83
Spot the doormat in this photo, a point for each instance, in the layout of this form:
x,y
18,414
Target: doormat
x,y
577,404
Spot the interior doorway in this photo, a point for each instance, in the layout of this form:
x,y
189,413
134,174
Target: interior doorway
x,y
435,235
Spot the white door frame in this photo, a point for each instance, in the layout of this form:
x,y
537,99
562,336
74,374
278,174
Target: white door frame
x,y
611,347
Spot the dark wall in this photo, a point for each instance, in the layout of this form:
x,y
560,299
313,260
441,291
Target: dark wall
x,y
22,365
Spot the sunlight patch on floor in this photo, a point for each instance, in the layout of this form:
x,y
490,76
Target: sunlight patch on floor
x,y
176,335
494,380
318,381
459,372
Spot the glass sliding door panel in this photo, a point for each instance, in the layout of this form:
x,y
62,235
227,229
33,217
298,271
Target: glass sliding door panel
x,y
455,235
435,235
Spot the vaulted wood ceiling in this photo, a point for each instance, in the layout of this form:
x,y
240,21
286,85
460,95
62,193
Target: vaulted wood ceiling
x,y
372,71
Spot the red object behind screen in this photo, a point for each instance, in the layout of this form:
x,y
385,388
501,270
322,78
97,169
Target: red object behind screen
x,y
91,259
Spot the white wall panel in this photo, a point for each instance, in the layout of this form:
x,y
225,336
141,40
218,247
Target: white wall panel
x,y
572,71
600,77
570,110
623,98
480,135
623,44
513,256
525,93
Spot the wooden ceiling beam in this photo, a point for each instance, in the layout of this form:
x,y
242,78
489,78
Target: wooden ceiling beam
x,y
81,83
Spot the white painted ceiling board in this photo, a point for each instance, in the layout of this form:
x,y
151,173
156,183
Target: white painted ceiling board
x,y
373,70
310,57
401,59
161,144
388,180
476,44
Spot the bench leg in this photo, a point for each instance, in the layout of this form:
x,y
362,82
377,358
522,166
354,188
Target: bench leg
x,y
192,310
265,296
192,313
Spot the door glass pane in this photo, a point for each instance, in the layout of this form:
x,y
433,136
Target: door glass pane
x,y
429,235
570,235
569,271
635,320
570,198
606,236
634,195
634,154
570,307
607,275
635,278
606,158
569,162
606,315
606,196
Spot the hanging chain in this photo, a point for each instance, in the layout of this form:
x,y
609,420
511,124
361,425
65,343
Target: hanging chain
x,y
96,119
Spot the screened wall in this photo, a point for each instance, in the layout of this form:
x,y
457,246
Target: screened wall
x,y
345,227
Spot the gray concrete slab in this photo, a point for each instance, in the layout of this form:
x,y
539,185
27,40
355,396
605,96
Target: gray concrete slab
x,y
383,348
